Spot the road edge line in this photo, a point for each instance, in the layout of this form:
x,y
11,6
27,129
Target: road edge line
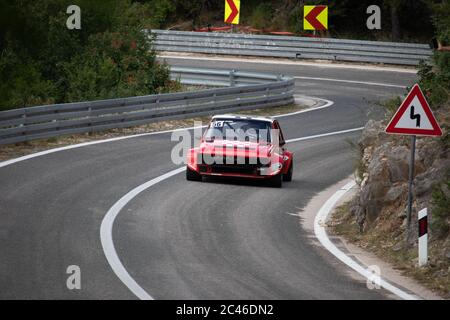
x,y
280,61
106,231
367,83
321,234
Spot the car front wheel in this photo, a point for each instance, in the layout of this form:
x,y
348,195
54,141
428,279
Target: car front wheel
x,y
288,175
191,175
277,181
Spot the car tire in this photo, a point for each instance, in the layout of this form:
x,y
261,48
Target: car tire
x,y
277,181
191,175
288,176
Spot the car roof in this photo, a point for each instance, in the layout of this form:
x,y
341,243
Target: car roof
x,y
242,117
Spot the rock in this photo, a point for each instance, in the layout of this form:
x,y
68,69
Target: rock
x,y
372,192
445,190
370,133
447,255
404,223
398,247
401,214
398,171
398,164
356,210
360,220
378,170
427,151
373,133
365,178
396,192
367,154
373,210
424,181
377,189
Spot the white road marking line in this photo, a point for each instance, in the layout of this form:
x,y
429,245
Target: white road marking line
x,y
292,63
327,104
106,229
293,214
85,144
325,134
108,222
352,81
319,230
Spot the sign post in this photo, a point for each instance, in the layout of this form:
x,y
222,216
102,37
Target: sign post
x,y
411,179
414,117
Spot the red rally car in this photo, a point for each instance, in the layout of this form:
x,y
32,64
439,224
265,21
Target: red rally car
x,y
241,146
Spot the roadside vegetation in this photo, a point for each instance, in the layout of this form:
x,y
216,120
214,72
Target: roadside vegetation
x,y
43,62
375,218
402,20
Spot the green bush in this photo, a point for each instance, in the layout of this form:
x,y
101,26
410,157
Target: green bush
x,y
440,211
41,61
295,20
115,64
22,84
261,16
435,80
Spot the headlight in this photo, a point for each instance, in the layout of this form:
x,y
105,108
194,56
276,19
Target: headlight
x,y
276,166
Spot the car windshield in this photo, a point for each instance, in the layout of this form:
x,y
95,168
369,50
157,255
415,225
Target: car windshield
x,y
239,130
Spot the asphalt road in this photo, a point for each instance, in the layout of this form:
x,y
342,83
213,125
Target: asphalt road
x,y
186,240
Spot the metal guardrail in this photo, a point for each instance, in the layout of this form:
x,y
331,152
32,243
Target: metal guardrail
x,y
244,90
292,47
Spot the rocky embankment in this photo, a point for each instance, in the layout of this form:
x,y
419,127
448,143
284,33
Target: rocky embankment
x,y
376,217
384,170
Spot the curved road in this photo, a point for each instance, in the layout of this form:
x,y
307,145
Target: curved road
x,y
187,240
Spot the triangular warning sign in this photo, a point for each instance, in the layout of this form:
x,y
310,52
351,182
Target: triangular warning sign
x,y
414,116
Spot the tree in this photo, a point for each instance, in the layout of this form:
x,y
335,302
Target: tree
x,y
41,61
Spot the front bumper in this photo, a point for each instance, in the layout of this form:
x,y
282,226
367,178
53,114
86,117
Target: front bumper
x,y
243,171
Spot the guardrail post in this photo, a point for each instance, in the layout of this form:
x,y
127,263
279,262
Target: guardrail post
x,y
90,122
56,120
232,78
24,116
